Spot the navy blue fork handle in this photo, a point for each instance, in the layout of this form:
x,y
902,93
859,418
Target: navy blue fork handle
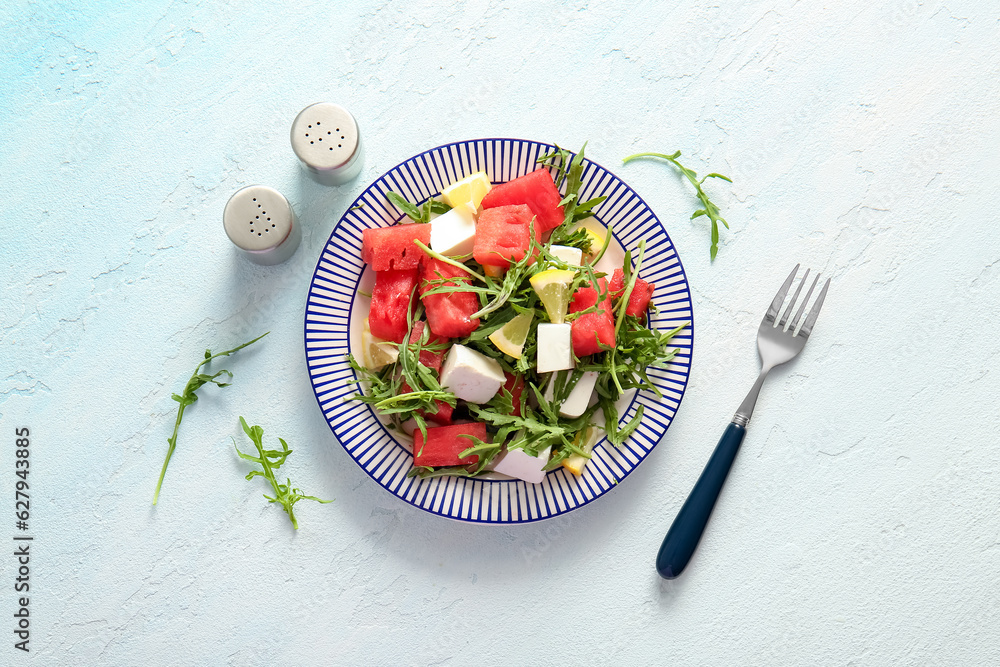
x,y
685,532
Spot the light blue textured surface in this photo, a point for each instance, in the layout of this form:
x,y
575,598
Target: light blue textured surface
x,y
859,524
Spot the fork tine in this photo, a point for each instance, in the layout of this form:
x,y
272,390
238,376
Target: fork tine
x,y
791,302
814,313
779,298
805,302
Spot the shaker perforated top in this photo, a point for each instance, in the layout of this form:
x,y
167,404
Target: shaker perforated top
x,y
260,221
326,139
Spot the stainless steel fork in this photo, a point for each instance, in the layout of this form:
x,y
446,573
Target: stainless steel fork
x,y
778,341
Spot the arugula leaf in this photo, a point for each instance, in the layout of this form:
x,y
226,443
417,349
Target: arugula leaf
x,y
575,238
708,208
406,207
617,436
427,472
630,276
574,178
486,451
532,432
417,213
569,171
448,260
434,206
528,422
637,348
583,210
270,460
385,393
188,397
559,160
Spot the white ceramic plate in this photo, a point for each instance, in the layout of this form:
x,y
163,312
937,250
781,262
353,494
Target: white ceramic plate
x,y
335,311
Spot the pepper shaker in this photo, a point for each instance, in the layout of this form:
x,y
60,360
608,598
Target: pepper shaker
x,y
261,223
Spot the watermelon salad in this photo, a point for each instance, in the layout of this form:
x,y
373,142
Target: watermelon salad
x,y
493,339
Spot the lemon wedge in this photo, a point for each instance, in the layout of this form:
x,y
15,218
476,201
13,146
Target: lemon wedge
x,y
375,352
552,287
585,440
467,192
596,238
510,338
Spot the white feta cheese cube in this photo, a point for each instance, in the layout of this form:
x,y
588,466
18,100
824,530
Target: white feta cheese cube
x,y
555,347
409,426
471,376
578,399
454,232
569,254
516,463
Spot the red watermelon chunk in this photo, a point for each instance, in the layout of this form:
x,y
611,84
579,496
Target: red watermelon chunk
x,y
445,443
392,248
448,314
502,235
442,415
390,303
430,358
537,190
515,385
588,329
638,301
585,297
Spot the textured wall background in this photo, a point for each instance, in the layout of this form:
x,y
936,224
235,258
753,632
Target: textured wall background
x,y
859,525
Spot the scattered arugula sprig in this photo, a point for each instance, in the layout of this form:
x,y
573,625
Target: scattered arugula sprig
x,y
418,213
708,208
270,460
188,397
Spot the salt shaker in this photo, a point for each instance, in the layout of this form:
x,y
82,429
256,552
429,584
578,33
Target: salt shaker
x,y
326,139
